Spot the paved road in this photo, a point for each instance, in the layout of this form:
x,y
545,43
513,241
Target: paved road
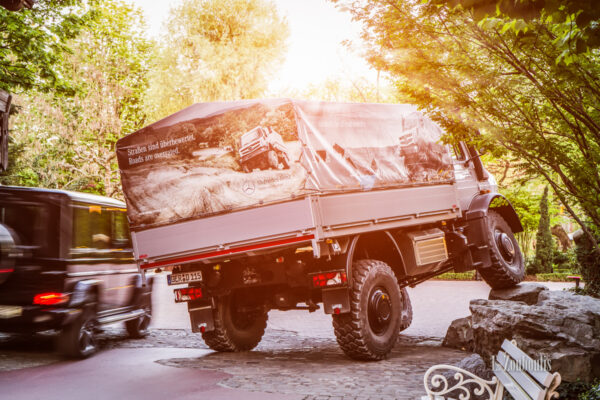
x,y
435,305
297,359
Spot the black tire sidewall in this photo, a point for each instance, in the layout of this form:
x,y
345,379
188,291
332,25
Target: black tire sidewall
x,y
378,277
496,221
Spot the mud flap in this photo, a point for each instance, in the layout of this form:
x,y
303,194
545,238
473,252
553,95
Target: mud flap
x,y
338,298
201,319
477,236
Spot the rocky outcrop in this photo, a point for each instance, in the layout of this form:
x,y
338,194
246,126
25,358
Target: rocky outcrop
x,y
459,335
526,292
561,327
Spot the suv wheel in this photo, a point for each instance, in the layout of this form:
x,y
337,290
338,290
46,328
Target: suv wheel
x,y
235,330
370,330
77,339
138,328
508,268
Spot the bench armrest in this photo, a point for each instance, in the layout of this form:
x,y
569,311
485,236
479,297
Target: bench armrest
x,y
438,385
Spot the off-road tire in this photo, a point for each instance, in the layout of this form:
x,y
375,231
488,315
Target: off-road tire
x,y
77,340
233,331
138,328
355,331
407,312
504,271
272,159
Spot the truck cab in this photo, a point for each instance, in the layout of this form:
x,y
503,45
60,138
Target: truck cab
x,y
262,148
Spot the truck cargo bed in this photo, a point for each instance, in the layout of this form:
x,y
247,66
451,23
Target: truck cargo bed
x,y
312,218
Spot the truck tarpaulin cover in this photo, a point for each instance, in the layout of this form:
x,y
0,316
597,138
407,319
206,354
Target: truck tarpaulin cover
x,y
212,158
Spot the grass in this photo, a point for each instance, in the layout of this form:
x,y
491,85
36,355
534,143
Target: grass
x,y
470,275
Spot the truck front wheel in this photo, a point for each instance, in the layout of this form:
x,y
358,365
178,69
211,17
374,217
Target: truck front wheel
x,y
370,330
235,330
507,268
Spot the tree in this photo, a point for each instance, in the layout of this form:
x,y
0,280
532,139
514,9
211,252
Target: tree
x,y
503,83
216,50
543,239
574,22
69,142
33,44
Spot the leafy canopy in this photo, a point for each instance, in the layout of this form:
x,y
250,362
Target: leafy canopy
x,y
216,50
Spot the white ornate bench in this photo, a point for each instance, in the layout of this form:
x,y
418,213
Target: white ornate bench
x,y
523,377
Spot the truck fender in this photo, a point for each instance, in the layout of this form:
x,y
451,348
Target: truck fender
x,y
84,291
394,258
481,204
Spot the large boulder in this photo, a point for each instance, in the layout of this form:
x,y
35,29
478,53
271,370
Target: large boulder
x,y
526,292
561,327
460,334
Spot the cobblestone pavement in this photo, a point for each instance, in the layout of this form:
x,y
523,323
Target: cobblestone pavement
x,y
284,362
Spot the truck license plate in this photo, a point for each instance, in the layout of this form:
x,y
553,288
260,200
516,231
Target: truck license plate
x,y
10,311
184,277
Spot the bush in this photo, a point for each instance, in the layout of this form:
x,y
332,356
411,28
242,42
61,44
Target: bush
x,y
592,394
553,277
543,240
573,390
589,264
457,276
564,261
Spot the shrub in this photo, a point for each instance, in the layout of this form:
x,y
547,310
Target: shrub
x,y
543,239
589,264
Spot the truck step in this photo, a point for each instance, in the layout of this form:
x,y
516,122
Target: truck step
x,y
111,319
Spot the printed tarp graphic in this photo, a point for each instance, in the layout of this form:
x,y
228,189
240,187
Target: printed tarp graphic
x,y
217,157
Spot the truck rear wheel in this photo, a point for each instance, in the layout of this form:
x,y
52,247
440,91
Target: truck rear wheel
x,y
507,268
235,330
370,330
407,313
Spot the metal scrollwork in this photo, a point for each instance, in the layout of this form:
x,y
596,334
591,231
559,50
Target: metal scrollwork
x,y
439,385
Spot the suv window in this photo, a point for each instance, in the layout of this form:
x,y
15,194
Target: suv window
x,y
99,228
31,222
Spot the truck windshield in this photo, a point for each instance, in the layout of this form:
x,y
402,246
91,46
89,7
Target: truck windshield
x,y
29,222
250,136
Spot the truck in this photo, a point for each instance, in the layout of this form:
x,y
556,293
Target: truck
x,y
262,147
353,222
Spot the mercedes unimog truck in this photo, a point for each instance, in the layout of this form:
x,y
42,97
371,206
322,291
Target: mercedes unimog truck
x,y
372,202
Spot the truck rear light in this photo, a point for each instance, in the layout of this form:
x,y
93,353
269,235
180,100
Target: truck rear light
x,y
50,299
329,279
187,294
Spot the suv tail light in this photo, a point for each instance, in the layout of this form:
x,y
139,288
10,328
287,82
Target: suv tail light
x,y
329,279
50,299
187,294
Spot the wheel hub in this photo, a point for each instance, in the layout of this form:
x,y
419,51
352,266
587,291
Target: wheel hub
x,y
380,310
505,245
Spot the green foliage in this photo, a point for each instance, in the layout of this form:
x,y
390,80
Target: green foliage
x,y
33,44
589,263
456,276
504,85
574,23
592,394
553,277
579,390
544,243
216,50
69,142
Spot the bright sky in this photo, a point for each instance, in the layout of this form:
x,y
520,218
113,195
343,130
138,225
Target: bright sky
x,y
315,51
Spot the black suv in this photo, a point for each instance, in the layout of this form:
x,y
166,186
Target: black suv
x,y
66,264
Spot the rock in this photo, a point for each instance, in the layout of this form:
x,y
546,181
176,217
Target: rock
x,y
526,292
562,327
459,334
